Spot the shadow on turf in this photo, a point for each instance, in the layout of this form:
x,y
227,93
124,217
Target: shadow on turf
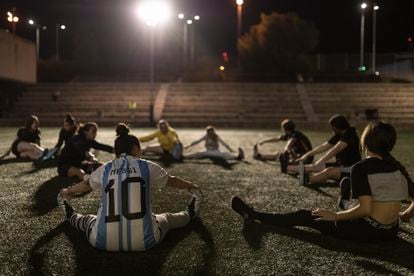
x,y
216,161
40,165
91,261
398,252
14,160
44,199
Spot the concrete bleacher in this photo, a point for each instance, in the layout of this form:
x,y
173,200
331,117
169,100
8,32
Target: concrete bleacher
x,y
254,105
232,104
105,103
394,102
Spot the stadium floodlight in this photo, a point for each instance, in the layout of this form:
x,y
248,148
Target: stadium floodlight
x,y
31,22
222,68
197,17
154,12
181,16
63,27
376,7
189,21
364,5
239,2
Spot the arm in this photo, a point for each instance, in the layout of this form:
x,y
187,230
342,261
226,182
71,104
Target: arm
x,y
340,146
271,140
363,209
180,183
224,144
196,142
99,146
289,145
408,213
79,188
148,137
60,140
319,149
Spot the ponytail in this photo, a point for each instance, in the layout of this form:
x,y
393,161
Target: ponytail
x,y
124,143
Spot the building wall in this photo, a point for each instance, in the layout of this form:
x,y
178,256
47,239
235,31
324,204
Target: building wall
x,y
17,58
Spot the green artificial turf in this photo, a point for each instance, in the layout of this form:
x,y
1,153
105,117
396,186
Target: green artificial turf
x,y
34,239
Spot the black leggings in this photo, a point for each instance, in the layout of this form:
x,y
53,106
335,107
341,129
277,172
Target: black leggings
x,y
365,229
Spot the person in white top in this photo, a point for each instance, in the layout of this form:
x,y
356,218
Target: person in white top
x,y
125,221
212,145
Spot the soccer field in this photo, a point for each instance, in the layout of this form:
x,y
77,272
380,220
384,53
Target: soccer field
x,y
34,239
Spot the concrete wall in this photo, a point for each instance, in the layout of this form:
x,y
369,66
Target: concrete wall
x,y
17,58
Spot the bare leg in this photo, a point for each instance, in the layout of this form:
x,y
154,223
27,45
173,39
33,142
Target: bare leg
x,y
153,149
29,150
197,155
169,221
265,157
76,172
331,173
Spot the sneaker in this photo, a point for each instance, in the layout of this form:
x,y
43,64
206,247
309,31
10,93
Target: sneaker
x,y
256,154
284,162
241,208
241,154
193,205
49,154
44,153
68,211
303,176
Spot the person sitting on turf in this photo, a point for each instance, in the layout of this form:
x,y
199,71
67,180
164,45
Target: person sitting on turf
x,y
297,145
125,221
76,158
379,183
344,145
212,145
169,143
68,131
27,143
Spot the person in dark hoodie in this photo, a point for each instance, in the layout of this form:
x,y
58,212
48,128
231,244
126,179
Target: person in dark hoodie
x,y
68,130
343,145
27,143
76,158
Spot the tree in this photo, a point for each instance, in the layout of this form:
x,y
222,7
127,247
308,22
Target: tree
x,y
279,44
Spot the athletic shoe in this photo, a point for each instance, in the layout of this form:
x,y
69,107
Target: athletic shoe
x,y
303,176
241,208
193,205
284,162
241,154
44,153
49,154
256,154
68,211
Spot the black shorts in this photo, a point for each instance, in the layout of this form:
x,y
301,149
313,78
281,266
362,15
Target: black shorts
x,y
88,167
14,148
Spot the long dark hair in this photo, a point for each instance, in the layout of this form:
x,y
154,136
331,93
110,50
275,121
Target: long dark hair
x,y
380,138
86,127
30,121
124,143
339,122
213,130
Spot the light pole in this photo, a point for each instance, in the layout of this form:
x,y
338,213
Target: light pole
x,y
374,39
37,26
58,27
361,57
239,17
13,19
153,13
192,49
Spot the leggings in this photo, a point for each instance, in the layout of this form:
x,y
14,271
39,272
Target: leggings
x,y
364,229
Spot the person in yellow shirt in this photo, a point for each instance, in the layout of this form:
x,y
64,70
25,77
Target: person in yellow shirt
x,y
169,143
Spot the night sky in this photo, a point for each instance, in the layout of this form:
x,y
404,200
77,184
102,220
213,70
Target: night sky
x,y
112,23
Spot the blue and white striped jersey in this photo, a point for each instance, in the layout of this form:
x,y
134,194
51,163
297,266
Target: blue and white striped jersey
x,y
125,221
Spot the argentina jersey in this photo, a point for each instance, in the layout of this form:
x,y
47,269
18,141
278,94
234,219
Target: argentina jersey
x,y
125,221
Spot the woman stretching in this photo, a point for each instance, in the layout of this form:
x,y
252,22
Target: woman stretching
x,y
379,183
76,157
27,143
125,221
169,143
212,144
68,131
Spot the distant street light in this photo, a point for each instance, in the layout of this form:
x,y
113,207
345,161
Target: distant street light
x,y
13,19
361,61
37,26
